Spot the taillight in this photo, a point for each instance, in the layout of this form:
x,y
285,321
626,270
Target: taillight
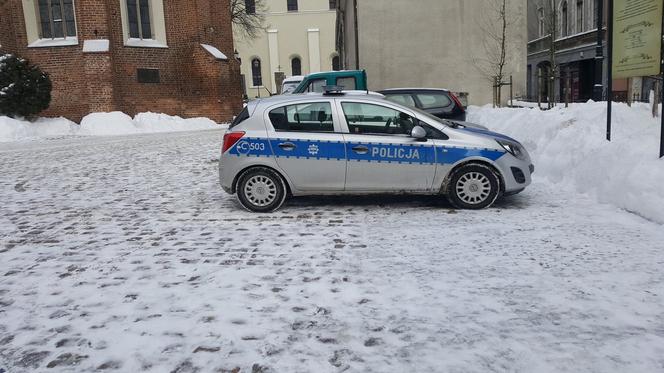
x,y
456,100
230,138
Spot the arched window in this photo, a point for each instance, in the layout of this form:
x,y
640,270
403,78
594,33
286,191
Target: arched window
x,y
336,63
296,66
256,75
564,19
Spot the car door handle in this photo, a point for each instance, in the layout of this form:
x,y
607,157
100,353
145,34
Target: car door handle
x,y
288,146
360,149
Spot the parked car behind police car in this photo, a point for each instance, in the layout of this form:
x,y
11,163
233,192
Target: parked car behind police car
x,y
360,143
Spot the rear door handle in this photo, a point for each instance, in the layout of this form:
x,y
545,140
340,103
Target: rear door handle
x,y
288,146
360,149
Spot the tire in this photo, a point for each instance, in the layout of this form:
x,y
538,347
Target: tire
x,y
260,189
473,187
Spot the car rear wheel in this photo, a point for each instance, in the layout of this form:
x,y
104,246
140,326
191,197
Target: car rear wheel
x,y
473,186
261,190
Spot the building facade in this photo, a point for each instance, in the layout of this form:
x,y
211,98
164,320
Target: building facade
x,y
166,56
574,25
298,40
572,74
431,43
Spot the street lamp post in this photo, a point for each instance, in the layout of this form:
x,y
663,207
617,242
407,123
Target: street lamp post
x,y
598,91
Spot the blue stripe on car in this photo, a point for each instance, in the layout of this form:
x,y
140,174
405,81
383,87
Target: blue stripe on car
x,y
334,150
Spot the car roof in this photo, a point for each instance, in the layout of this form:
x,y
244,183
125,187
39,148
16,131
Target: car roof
x,y
395,90
278,99
334,73
296,78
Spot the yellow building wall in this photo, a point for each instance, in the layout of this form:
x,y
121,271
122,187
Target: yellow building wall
x,y
308,34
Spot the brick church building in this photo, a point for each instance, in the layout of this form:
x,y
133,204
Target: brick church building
x,y
168,56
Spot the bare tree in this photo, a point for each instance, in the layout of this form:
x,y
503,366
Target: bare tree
x,y
249,17
495,27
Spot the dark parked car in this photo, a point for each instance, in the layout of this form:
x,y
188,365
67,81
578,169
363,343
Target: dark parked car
x,y
439,102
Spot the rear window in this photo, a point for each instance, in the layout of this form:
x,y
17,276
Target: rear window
x,y
310,117
244,115
348,83
433,100
316,85
403,99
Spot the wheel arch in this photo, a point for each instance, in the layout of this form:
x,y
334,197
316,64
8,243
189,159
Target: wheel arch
x,y
271,168
479,161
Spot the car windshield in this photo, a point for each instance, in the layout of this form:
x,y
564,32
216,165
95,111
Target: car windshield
x,y
289,87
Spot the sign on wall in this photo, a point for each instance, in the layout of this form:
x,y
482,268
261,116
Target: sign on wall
x,y
637,27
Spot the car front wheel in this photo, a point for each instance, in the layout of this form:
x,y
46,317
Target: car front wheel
x,y
261,190
473,186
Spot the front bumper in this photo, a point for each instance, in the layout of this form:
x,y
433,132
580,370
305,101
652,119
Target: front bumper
x,y
517,173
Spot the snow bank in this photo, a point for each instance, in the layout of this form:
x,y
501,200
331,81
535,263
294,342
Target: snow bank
x,y
568,147
107,124
14,129
100,124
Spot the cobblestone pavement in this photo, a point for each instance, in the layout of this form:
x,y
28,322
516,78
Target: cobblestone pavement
x,y
123,255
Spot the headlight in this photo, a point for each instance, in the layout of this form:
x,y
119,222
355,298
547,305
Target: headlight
x,y
512,148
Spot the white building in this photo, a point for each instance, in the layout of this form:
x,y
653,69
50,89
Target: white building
x,y
299,40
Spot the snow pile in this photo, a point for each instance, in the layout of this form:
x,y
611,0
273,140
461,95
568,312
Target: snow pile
x,y
118,123
153,122
100,124
568,147
107,124
14,129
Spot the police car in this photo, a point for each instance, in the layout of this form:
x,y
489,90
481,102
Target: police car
x,y
349,142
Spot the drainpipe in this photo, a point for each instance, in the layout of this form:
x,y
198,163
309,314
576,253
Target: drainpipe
x,y
357,38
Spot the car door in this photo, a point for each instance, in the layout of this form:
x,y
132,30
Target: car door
x,y
382,157
436,103
307,143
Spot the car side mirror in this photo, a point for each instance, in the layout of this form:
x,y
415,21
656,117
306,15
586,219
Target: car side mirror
x,y
418,133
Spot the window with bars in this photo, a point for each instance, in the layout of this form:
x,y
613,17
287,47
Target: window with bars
x,y
138,17
292,5
56,19
333,4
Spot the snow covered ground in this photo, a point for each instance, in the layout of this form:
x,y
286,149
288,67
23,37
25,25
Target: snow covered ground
x,y
98,124
122,254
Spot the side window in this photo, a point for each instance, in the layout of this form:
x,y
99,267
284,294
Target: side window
x,y
376,119
433,100
403,99
316,85
347,83
309,117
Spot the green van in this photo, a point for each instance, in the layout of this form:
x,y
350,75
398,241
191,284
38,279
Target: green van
x,y
349,79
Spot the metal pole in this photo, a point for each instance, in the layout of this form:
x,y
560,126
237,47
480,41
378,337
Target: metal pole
x,y
599,52
661,133
609,93
511,92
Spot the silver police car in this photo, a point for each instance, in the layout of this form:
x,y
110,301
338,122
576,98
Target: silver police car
x,y
350,142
